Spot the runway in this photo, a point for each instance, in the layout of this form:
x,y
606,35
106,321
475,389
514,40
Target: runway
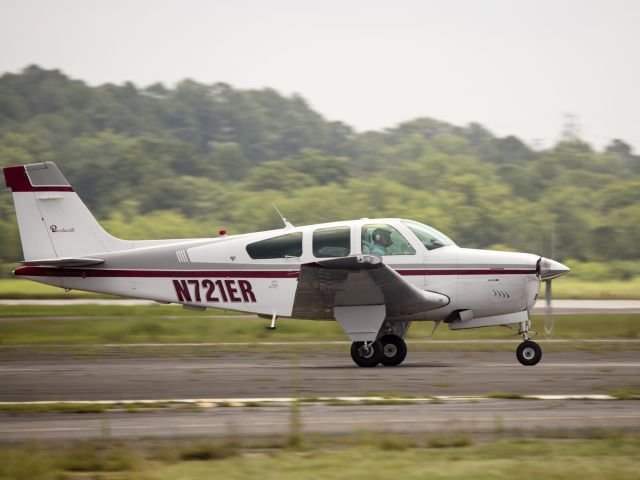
x,y
246,375
278,373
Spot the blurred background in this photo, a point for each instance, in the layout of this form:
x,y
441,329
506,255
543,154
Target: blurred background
x,y
505,124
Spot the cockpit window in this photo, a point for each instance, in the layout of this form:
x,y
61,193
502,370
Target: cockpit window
x,y
430,237
277,247
383,239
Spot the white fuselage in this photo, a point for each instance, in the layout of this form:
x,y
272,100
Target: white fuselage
x,y
220,273
372,276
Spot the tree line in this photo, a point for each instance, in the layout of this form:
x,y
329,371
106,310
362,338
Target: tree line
x,y
156,162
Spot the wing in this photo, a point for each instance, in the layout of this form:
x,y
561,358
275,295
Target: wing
x,y
358,281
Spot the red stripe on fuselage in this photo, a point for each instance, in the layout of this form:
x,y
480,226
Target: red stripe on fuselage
x,y
32,271
113,273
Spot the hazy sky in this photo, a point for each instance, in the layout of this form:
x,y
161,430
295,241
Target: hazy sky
x,y
514,66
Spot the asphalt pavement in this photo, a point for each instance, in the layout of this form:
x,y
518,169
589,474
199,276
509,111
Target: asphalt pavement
x,y
490,416
276,373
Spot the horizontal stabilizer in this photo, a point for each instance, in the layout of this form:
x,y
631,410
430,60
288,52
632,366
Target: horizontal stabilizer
x,y
65,262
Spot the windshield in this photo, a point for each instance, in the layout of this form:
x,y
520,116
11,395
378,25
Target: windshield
x,y
430,237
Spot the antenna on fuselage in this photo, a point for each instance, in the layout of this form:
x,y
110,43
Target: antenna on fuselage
x,y
287,223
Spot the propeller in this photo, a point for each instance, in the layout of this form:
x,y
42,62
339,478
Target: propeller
x,y
548,319
548,270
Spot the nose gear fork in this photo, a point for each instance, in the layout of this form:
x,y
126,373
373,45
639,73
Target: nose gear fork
x,y
524,330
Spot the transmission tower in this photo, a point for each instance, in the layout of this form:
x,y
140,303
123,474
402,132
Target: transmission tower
x,y
570,126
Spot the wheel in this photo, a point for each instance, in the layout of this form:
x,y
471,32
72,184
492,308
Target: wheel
x,y
529,353
394,350
366,357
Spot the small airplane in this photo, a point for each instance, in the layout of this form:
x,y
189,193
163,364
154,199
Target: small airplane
x,y
373,276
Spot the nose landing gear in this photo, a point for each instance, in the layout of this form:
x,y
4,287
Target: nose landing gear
x,y
528,352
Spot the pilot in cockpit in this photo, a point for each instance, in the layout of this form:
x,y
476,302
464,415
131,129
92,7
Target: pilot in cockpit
x,y
381,241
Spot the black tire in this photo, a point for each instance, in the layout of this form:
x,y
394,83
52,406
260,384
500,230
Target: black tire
x,y
394,350
529,353
366,358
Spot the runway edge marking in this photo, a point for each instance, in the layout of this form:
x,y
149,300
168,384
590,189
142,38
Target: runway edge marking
x,y
287,400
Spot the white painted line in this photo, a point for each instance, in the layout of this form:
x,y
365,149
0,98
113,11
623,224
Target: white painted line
x,y
575,397
287,400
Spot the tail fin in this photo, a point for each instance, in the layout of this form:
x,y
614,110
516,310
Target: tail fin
x,y
53,221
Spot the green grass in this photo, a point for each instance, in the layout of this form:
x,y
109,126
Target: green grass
x,y
626,394
207,450
129,311
54,408
70,407
94,324
563,288
595,289
522,460
506,396
364,456
19,288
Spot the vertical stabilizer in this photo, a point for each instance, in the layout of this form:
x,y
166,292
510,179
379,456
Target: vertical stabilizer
x,y
52,219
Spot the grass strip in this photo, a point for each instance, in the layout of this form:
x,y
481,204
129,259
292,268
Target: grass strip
x,y
578,289
17,288
95,324
54,407
450,455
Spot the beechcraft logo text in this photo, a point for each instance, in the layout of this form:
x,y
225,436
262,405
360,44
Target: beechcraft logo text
x,y
56,229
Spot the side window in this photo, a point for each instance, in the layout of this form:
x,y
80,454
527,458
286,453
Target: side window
x,y
332,242
278,247
383,239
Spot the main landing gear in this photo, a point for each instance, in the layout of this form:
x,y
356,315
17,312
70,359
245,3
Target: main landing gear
x,y
389,350
394,350
528,352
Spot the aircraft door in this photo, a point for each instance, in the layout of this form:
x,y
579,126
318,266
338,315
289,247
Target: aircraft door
x,y
396,248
